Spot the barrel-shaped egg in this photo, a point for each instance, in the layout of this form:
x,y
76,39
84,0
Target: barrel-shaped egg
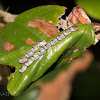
x,y
34,57
67,32
22,60
41,51
47,45
60,37
29,54
41,43
28,62
35,48
54,41
22,69
73,28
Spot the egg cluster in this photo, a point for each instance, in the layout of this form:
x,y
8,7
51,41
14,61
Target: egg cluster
x,y
42,51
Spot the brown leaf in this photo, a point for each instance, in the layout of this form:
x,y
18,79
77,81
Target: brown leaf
x,y
77,15
44,26
96,26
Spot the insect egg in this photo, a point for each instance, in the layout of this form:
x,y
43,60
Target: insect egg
x,y
41,52
29,54
53,42
60,37
47,45
68,31
42,43
34,57
74,28
22,69
22,60
35,47
28,62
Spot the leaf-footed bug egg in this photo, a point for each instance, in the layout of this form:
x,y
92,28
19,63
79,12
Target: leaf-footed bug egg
x,y
29,54
22,60
60,37
41,43
35,48
22,69
34,57
28,62
53,42
73,28
47,45
41,52
66,32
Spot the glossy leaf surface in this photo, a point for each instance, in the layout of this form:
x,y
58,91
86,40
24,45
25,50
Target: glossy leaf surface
x,y
17,33
40,66
79,48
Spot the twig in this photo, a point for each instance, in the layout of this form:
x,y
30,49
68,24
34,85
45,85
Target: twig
x,y
96,27
7,17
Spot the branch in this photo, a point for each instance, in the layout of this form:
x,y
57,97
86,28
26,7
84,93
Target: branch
x,y
7,17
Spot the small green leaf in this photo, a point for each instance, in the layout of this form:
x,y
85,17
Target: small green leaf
x,y
91,7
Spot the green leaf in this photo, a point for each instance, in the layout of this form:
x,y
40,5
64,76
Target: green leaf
x,y
17,33
33,91
91,7
40,66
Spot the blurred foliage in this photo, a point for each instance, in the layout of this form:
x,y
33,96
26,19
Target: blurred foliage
x,y
1,7
92,7
30,94
86,85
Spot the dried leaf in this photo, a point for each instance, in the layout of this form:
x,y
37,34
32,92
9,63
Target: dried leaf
x,y
44,26
77,15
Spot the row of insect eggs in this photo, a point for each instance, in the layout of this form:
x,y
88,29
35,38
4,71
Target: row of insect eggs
x,y
42,50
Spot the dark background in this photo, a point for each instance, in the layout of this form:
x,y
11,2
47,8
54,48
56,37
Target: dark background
x,y
18,6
